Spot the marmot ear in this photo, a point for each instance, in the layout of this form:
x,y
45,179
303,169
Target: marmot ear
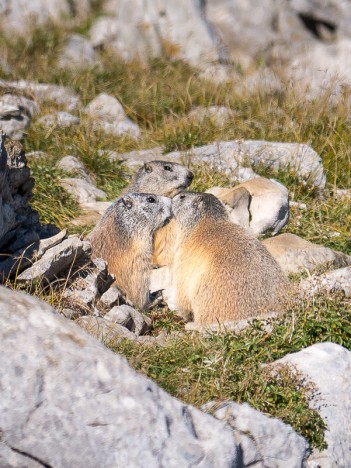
x,y
127,202
148,167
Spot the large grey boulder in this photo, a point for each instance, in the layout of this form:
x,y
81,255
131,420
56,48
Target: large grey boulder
x,y
328,367
67,401
296,255
230,156
151,28
21,18
237,158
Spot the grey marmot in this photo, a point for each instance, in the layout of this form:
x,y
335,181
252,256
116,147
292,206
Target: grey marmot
x,y
161,178
124,238
220,271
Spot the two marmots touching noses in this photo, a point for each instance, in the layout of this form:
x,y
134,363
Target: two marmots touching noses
x,y
219,271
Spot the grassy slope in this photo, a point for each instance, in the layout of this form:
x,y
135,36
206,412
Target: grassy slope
x,y
158,96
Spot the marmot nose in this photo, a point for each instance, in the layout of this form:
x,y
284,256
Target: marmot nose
x,y
190,176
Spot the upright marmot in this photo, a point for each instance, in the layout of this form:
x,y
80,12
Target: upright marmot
x,y
220,272
124,238
166,179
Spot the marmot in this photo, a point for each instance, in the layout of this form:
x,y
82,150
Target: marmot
x,y
220,271
161,178
124,236
166,179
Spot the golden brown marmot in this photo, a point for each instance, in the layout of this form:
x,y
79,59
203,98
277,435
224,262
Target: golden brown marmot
x,y
124,238
220,272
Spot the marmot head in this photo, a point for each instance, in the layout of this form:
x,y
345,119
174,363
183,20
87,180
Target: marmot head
x,y
163,177
140,213
190,207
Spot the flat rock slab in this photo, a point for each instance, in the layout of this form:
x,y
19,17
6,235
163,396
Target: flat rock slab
x,y
68,401
56,260
60,119
42,92
229,156
234,157
328,366
295,254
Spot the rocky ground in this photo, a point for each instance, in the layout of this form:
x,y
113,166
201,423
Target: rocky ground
x,y
240,98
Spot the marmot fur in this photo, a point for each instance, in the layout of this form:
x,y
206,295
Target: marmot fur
x,y
124,238
167,179
161,178
221,272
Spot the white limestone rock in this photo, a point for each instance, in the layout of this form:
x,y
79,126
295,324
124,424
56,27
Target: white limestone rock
x,y
130,318
265,441
60,119
112,297
231,155
323,69
328,367
66,400
75,167
108,115
296,255
332,281
144,29
83,191
21,18
56,260
78,53
42,92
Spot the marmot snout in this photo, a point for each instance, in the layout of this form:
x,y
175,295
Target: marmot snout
x,y
220,272
124,237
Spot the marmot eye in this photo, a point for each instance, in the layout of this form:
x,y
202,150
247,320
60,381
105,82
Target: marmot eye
x,y
182,197
167,167
151,199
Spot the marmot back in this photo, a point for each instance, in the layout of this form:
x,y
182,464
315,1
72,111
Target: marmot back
x,y
124,236
221,272
161,178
